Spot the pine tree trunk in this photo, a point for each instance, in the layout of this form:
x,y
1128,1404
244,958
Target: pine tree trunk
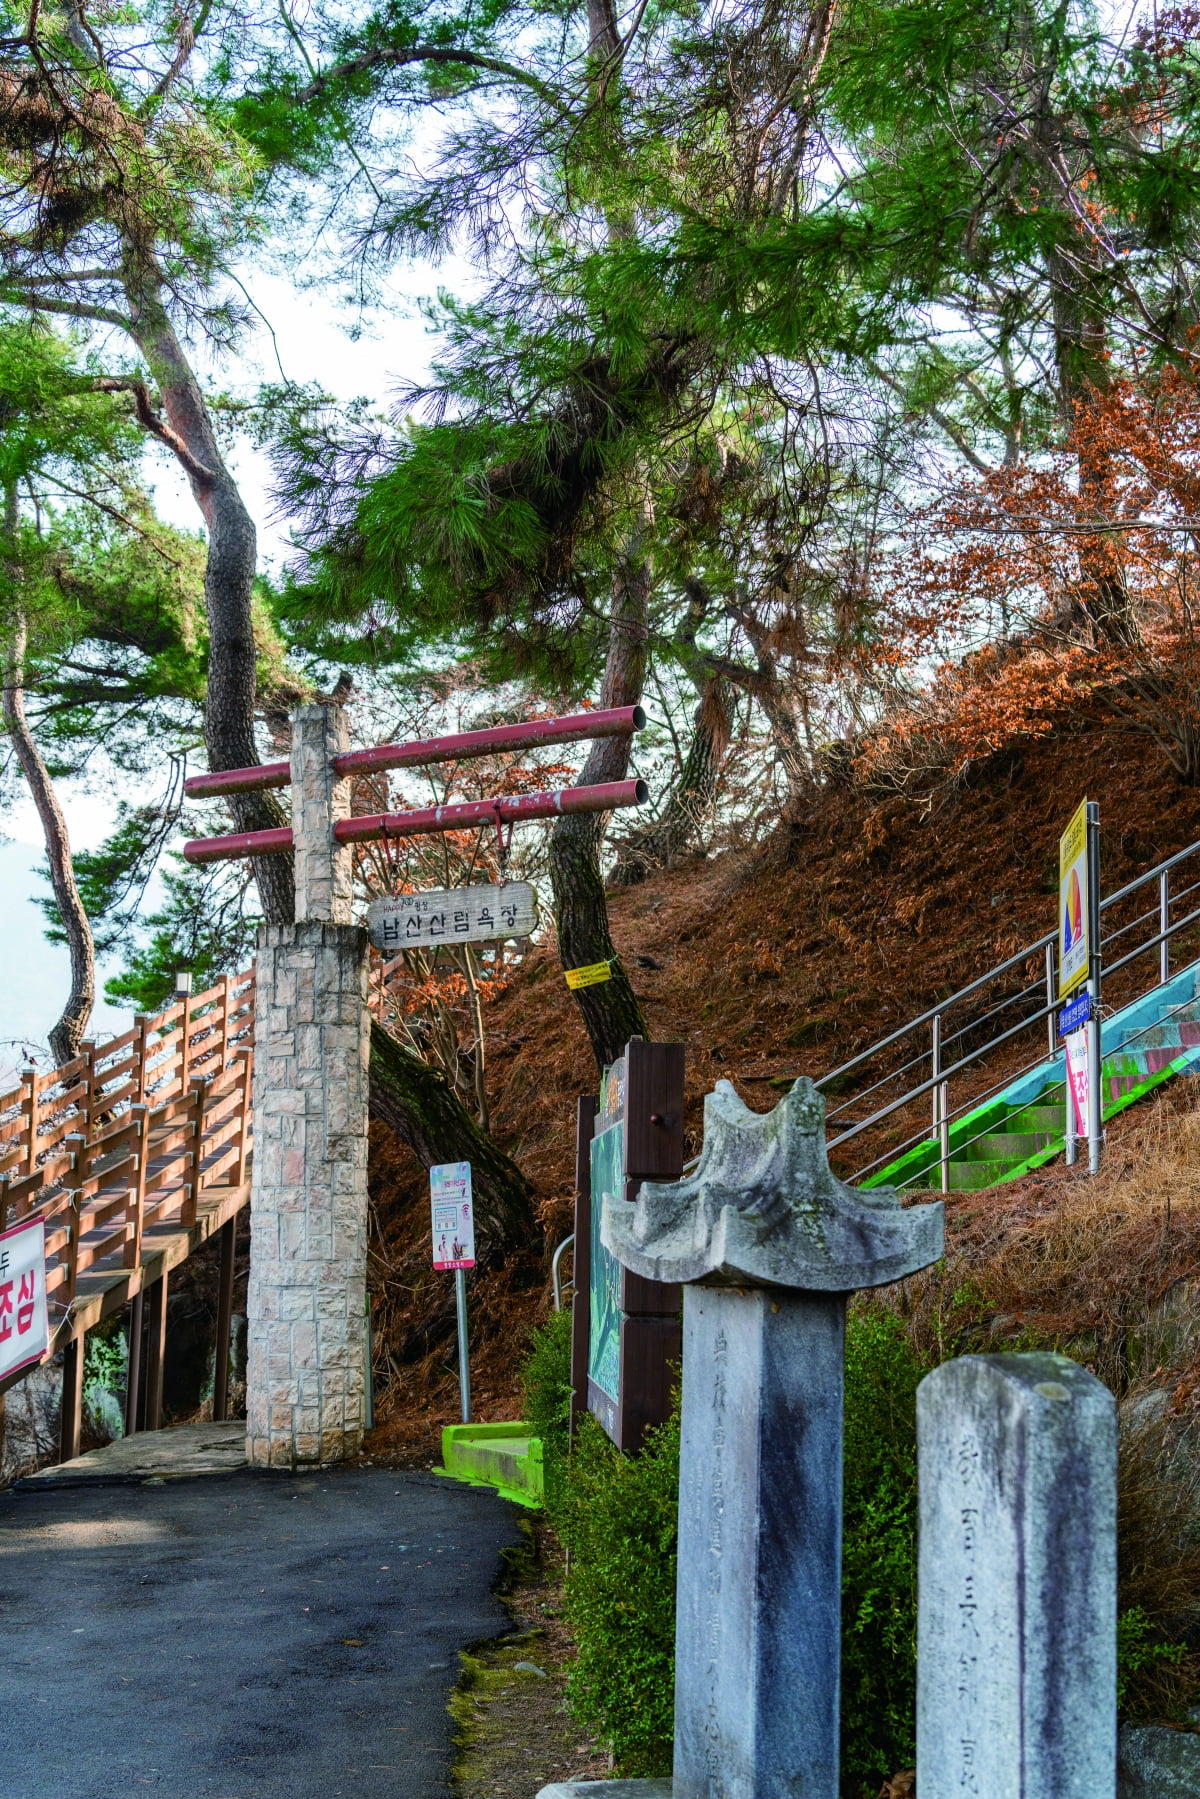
x,y
611,1011
676,829
1081,358
413,1099
416,1102
228,576
68,1033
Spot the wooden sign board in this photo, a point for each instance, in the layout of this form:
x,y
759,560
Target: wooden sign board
x,y
453,915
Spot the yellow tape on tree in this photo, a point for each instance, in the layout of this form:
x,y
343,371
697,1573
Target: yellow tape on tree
x,y
591,976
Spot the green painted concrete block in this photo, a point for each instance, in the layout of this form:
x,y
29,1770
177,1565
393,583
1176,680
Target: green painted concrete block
x,y
504,1456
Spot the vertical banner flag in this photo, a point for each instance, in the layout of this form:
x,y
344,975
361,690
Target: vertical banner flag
x,y
1077,1080
1074,909
453,1215
24,1330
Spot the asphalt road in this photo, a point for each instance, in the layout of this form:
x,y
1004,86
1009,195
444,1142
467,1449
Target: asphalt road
x,y
251,1636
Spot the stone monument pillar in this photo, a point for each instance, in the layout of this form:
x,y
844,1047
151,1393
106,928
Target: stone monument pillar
x,y
306,1329
769,1244
1017,1635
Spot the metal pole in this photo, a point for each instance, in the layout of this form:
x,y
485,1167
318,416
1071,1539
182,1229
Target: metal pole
x,y
1051,1020
941,1123
369,1420
1164,925
1095,1047
556,1270
465,815
464,1363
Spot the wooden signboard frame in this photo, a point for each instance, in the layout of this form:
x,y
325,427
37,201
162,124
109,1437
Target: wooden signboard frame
x,y
651,1341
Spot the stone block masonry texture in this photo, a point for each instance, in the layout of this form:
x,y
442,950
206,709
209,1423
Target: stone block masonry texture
x,y
1017,1639
306,1331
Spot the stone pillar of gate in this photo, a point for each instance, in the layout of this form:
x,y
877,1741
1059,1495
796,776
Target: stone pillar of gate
x,y
306,1369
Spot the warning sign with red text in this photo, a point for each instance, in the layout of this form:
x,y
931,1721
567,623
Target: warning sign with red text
x,y
24,1331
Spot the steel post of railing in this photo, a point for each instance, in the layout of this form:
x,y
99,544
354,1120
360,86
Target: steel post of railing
x,y
941,1120
1051,1020
1164,925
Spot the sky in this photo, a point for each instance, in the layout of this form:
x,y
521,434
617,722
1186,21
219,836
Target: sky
x,y
310,343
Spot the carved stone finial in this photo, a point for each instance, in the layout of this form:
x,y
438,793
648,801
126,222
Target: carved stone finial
x,y
764,1208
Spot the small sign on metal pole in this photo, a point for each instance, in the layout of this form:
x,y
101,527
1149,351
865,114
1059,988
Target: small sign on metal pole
x,y
1075,1013
454,1247
1078,1097
24,1329
482,914
1074,912
1079,964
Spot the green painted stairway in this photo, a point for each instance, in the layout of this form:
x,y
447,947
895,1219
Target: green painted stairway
x,y
1144,1045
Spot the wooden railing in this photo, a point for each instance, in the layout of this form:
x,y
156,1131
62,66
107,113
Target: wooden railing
x,y
129,1134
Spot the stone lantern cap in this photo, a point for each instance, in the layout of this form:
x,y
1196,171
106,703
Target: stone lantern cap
x,y
764,1209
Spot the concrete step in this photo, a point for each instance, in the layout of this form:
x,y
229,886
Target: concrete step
x,y
1050,1119
504,1456
182,1449
1009,1146
968,1177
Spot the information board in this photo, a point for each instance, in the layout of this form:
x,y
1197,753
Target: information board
x,y
625,1330
453,915
24,1329
604,1322
453,1215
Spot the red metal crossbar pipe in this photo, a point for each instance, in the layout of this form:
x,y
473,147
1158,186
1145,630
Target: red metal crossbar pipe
x,y
602,798
239,843
605,797
618,722
238,780
460,746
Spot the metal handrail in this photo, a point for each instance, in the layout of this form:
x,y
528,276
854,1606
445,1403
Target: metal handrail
x,y
1022,955
555,1276
939,1077
1151,942
1160,868
934,1056
974,1103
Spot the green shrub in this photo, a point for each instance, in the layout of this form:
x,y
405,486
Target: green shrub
x,y
615,1515
879,1553
618,1523
1141,1650
545,1380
